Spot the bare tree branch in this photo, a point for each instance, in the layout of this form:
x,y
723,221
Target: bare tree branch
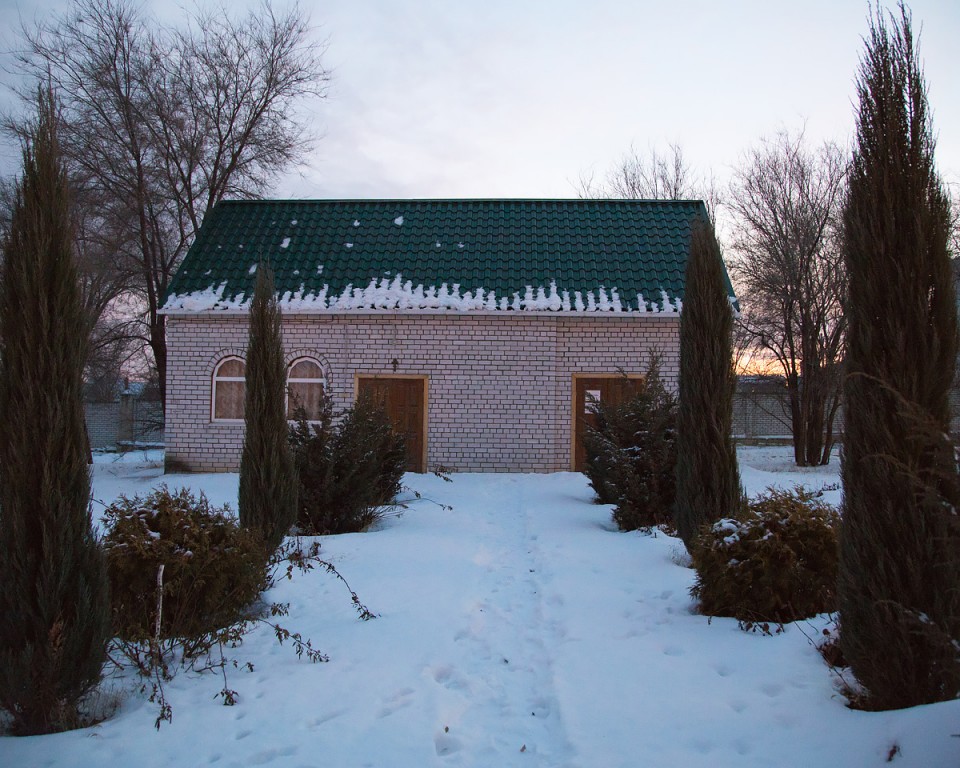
x,y
655,176
160,123
785,200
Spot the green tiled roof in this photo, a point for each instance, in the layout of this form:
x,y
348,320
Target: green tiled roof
x,y
320,248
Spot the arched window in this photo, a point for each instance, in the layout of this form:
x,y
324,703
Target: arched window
x,y
229,389
305,388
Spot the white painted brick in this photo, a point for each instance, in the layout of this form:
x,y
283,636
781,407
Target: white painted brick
x,y
500,387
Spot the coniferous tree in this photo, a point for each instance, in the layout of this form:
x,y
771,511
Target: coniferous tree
x,y
899,582
268,485
53,589
708,478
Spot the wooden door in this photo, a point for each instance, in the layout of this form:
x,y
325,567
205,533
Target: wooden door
x,y
404,400
610,390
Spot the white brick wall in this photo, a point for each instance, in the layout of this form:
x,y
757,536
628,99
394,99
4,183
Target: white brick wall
x,y
500,387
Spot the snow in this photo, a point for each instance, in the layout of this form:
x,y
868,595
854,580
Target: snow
x,y
517,629
285,243
393,292
398,221
211,297
665,305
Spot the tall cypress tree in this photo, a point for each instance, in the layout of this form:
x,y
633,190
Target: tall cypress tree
x,y
53,588
708,477
899,585
268,484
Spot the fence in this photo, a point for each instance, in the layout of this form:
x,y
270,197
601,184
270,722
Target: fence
x,y
761,410
125,423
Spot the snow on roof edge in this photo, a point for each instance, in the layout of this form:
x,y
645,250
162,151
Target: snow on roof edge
x,y
394,293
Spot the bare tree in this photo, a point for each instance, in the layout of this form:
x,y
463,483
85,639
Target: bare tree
x,y
785,200
659,175
954,192
160,123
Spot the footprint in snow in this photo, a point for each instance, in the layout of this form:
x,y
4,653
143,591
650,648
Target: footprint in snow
x,y
446,744
269,755
400,700
326,718
703,746
448,677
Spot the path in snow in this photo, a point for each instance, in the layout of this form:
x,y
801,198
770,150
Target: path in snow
x,y
499,666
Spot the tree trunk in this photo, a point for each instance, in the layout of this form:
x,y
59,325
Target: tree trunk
x,y
158,343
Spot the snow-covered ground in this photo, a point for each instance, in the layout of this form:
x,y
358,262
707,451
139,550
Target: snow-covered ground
x,y
518,629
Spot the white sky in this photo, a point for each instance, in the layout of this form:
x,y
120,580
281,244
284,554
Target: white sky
x,y
515,98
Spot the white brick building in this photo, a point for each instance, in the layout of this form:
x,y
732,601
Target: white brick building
x,y
561,296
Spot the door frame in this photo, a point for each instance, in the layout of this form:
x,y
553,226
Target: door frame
x,y
425,379
574,415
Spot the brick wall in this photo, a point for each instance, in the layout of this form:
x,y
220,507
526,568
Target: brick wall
x,y
767,414
761,409
141,421
499,392
124,421
103,420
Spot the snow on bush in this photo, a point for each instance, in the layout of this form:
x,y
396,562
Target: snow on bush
x,y
212,568
777,563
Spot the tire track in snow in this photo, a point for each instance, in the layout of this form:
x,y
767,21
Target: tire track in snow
x,y
498,704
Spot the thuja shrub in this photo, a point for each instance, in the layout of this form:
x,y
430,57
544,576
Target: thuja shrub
x,y
213,569
632,454
601,446
349,468
708,477
645,470
776,562
267,496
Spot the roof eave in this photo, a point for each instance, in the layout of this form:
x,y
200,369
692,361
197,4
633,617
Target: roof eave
x,y
421,312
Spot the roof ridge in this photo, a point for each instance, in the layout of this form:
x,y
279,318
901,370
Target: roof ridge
x,y
589,200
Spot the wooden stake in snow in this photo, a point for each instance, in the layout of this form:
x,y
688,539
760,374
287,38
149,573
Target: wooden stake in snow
x,y
156,631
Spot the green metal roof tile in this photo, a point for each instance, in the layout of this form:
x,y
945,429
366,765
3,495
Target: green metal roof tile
x,y
633,246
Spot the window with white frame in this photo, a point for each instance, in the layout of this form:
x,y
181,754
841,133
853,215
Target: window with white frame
x,y
229,389
304,389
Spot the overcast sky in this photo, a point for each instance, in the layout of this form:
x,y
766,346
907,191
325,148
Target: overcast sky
x,y
516,98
